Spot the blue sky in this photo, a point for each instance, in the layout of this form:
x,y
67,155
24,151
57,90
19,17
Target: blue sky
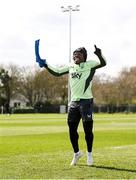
x,y
110,24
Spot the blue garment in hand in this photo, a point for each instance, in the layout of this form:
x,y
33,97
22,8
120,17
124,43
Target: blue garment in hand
x,y
42,62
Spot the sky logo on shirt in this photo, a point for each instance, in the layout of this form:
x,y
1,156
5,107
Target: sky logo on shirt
x,y
76,75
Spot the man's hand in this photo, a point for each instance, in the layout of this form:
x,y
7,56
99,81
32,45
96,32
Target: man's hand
x,y
97,51
42,62
101,58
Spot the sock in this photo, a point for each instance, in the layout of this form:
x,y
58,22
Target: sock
x,y
77,153
89,153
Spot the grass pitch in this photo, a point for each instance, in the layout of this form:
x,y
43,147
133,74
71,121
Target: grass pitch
x,y
37,146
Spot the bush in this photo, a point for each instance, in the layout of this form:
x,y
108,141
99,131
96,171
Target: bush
x,y
47,107
23,110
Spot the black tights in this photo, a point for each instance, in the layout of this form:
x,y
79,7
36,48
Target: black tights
x,y
88,129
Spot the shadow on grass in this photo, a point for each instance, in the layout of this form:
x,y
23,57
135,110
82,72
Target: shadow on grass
x,y
111,168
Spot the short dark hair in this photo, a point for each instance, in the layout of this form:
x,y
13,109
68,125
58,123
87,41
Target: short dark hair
x,y
83,51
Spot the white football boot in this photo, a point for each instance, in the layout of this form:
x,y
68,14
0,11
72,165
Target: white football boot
x,y
76,157
89,159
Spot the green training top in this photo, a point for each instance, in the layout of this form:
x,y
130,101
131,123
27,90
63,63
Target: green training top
x,y
80,78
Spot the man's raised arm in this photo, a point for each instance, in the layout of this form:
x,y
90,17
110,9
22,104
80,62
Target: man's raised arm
x,y
100,56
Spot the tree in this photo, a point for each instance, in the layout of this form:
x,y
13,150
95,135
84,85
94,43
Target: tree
x,y
40,86
126,84
5,86
50,88
103,89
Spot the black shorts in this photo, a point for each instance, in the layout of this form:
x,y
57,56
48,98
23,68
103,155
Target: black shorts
x,y
80,109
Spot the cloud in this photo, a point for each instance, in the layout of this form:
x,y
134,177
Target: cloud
x,y
109,24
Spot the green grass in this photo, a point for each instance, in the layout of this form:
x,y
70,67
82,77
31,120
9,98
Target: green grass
x,y
37,146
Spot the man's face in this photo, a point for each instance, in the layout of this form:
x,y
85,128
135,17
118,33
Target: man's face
x,y
78,57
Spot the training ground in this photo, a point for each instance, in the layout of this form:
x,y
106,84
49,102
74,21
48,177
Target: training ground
x,y
37,146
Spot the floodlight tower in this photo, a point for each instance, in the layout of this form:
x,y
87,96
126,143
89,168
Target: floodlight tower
x,y
70,9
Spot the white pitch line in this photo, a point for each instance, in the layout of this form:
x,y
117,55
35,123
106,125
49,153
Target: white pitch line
x,y
124,147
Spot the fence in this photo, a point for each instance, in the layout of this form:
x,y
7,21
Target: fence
x,y
126,108
63,109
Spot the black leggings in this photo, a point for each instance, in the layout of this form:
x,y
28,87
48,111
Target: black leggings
x,y
81,110
88,126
